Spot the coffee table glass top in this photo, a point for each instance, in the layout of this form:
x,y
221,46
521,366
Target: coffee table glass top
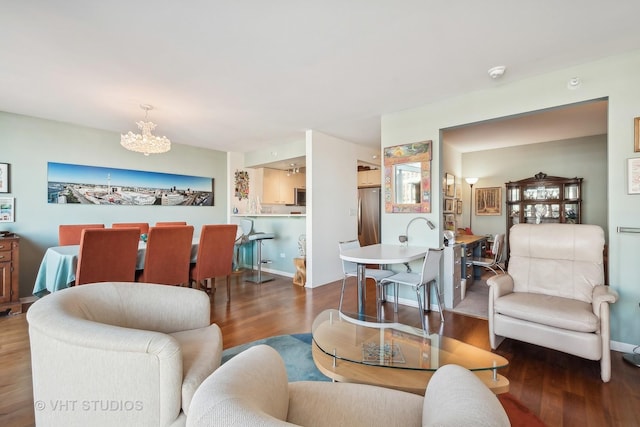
x,y
394,345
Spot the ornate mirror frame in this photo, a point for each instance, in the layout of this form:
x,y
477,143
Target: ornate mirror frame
x,y
417,152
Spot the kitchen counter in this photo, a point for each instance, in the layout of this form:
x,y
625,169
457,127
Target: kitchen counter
x,y
278,215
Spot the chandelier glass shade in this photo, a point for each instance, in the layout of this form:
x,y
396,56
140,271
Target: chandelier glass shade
x,y
146,142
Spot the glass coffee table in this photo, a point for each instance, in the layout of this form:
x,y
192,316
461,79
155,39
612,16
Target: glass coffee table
x,y
350,348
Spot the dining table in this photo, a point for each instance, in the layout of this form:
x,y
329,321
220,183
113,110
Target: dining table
x,y
58,267
380,253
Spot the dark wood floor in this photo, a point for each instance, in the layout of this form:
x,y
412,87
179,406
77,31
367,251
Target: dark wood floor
x,y
562,390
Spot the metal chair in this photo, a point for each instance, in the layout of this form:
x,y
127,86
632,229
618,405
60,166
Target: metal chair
x,y
215,256
107,255
249,236
350,269
71,234
425,280
493,262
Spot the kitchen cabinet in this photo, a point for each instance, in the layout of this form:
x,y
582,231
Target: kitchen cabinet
x,y
9,286
543,199
369,178
278,187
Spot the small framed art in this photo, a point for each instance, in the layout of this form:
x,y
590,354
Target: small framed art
x,y
459,207
633,175
448,205
489,201
7,209
4,177
636,126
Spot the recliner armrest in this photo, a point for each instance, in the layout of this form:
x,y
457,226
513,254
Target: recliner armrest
x,y
500,285
602,294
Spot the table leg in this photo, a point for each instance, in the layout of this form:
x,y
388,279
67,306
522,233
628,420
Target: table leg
x,y
362,288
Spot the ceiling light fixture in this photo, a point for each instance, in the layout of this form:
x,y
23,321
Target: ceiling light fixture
x,y
145,143
574,83
497,72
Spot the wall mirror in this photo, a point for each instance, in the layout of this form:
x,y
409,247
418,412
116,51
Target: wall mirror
x,y
407,178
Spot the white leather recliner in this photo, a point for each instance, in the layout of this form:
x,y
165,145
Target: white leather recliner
x,y
553,294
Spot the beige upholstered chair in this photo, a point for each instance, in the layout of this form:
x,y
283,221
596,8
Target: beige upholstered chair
x,y
252,389
554,294
120,354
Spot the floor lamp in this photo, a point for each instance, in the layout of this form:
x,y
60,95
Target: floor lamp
x,y
471,181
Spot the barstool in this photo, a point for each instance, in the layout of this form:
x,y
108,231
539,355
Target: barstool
x,y
251,236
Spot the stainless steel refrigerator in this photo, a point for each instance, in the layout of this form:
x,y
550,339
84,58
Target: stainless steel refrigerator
x,y
369,215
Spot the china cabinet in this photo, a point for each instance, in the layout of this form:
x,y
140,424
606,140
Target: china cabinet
x,y
544,199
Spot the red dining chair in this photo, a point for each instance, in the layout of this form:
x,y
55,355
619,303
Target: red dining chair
x,y
143,226
107,255
170,223
71,234
168,255
215,256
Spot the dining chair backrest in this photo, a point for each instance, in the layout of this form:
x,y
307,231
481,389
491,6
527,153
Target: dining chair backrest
x,y
71,234
496,248
168,255
215,251
143,226
107,255
170,223
431,265
348,267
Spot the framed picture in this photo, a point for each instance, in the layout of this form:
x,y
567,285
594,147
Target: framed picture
x,y
636,146
449,185
448,205
489,201
449,222
6,209
633,175
4,177
459,207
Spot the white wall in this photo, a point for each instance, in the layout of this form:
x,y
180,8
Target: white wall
x,y
617,78
28,143
332,196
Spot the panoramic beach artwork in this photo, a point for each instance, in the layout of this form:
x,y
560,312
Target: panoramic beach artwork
x,y
81,184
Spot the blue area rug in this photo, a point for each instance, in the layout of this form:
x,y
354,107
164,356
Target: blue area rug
x,y
295,350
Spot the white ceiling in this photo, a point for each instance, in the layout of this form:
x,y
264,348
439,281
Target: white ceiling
x,y
241,75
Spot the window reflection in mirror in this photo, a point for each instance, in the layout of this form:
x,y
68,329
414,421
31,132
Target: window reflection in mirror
x,y
407,181
406,186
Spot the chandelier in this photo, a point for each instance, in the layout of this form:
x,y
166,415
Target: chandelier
x,y
147,143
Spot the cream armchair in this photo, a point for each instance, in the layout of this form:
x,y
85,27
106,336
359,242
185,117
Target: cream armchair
x,y
120,354
252,389
554,294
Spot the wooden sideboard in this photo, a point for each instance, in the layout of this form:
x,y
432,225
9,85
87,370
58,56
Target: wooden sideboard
x,y
9,285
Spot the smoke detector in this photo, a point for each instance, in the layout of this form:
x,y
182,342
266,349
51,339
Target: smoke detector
x,y
497,72
574,83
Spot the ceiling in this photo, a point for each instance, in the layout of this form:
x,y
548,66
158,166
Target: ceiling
x,y
243,75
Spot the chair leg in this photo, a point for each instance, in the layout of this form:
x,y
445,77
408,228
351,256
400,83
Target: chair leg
x,y
344,279
396,289
228,287
421,308
433,283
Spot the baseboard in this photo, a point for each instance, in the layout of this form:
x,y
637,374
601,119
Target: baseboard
x,y
622,347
